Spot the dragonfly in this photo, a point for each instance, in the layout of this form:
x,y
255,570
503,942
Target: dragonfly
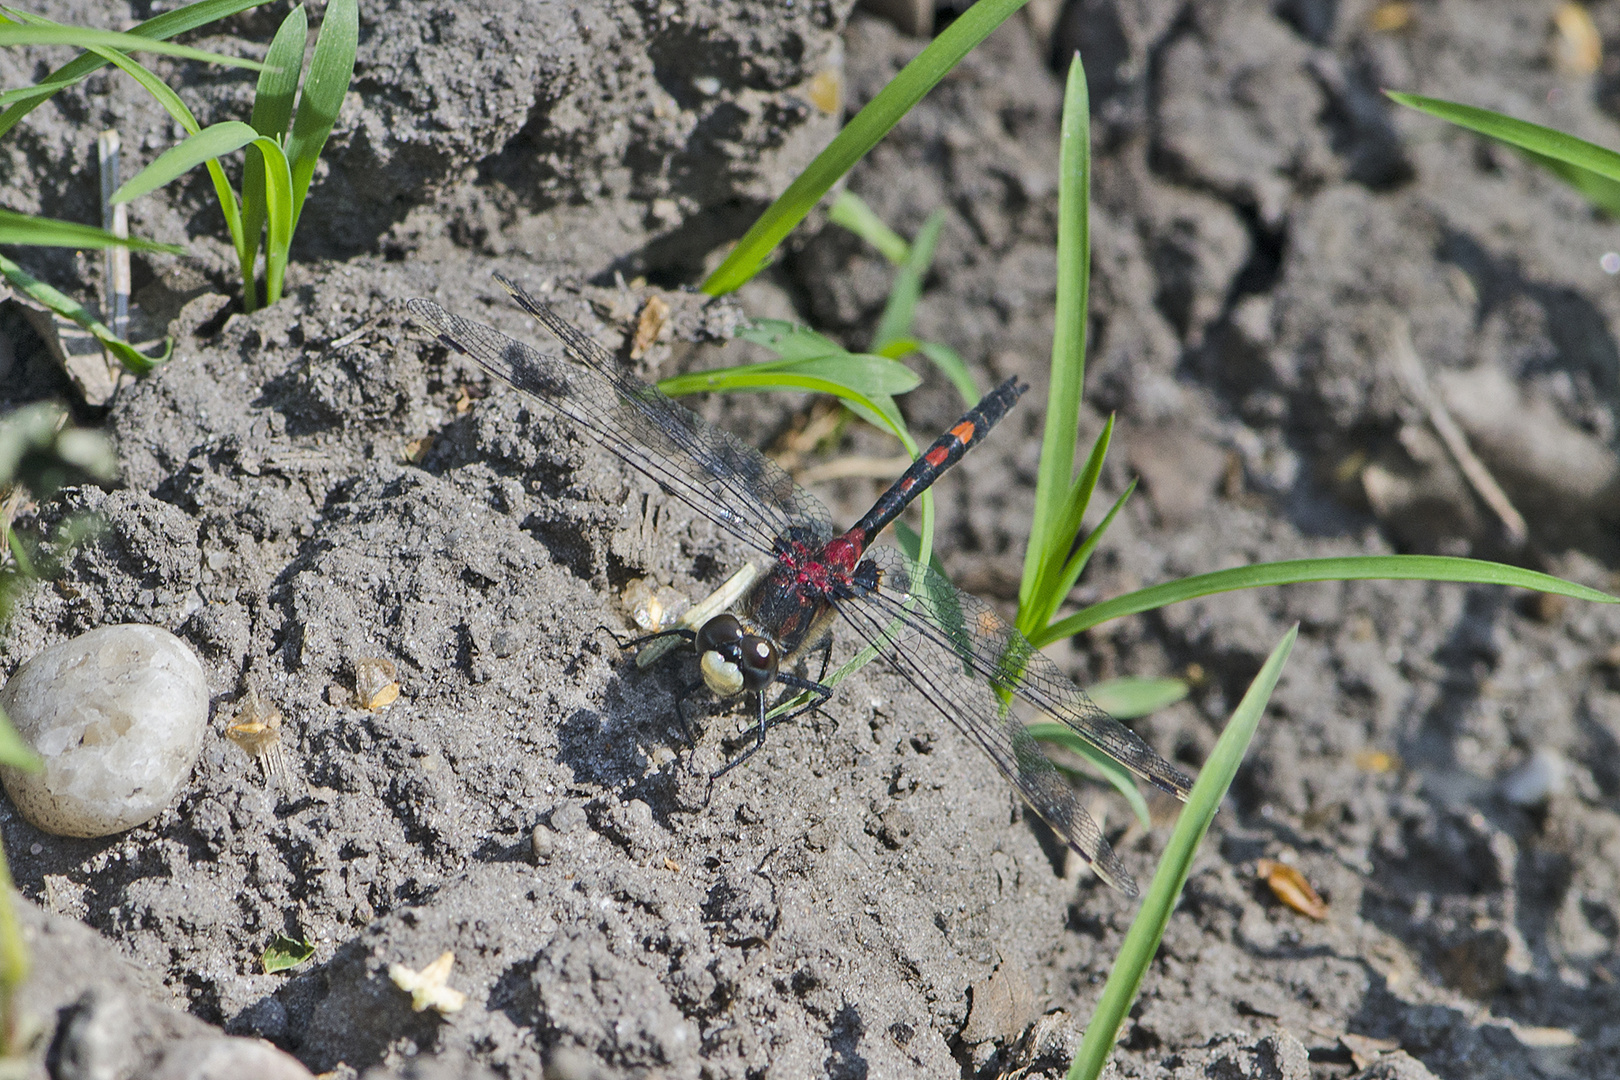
x,y
952,647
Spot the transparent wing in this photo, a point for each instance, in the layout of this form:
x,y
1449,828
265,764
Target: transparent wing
x,y
719,477
969,663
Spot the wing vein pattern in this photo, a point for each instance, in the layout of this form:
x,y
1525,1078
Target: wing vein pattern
x,y
708,469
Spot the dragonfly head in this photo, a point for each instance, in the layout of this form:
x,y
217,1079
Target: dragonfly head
x,y
732,660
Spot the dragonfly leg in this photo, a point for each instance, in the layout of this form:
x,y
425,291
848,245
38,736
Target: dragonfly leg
x,y
819,695
680,712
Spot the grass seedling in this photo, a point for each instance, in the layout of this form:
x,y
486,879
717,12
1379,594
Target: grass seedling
x,y
893,336
21,28
753,251
1588,168
1147,929
280,164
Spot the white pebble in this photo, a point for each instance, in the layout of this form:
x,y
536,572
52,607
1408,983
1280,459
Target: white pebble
x,y
118,714
1544,775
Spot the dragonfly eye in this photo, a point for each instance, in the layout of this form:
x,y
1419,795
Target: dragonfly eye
x,y
733,661
758,662
720,634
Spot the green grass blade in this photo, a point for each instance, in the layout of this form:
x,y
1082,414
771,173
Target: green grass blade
x,y
872,376
85,37
947,359
134,361
18,228
330,71
1076,565
159,28
1599,190
850,211
858,136
272,112
1056,578
1116,774
789,340
1147,929
1546,141
280,217
211,142
1130,697
176,108
1048,545
39,91
895,322
951,366
1294,571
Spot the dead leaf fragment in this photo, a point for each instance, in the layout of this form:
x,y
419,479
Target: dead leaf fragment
x,y
1545,1038
826,91
1577,45
416,451
1376,761
1390,17
1290,886
654,315
429,988
374,683
257,730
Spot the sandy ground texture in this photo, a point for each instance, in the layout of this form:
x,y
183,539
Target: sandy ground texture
x,y
1292,280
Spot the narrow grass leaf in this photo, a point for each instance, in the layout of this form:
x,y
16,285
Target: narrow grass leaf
x,y
39,91
952,367
1147,929
1549,142
1047,545
789,340
1077,562
272,112
1060,572
901,306
134,361
1598,189
83,37
158,28
279,215
209,143
858,136
18,228
947,359
165,96
13,751
1100,763
1351,568
850,211
1130,697
330,71
873,376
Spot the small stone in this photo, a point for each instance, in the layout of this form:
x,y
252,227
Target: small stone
x,y
1544,775
222,1057
568,817
118,715
542,842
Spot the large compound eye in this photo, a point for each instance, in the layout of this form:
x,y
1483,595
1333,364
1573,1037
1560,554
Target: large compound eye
x,y
719,634
758,662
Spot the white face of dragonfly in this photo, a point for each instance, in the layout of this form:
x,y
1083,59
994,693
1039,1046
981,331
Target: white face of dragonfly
x,y
733,661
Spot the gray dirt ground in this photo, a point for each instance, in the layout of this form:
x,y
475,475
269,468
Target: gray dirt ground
x,y
864,898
